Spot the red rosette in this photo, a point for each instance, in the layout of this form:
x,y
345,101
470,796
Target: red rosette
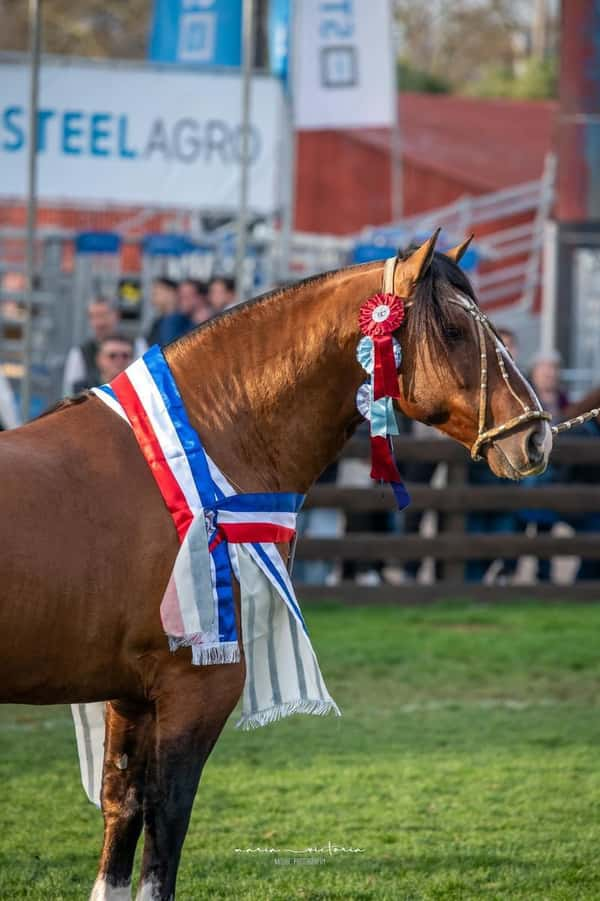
x,y
379,317
381,314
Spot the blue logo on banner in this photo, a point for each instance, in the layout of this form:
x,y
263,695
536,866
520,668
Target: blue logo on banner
x,y
196,32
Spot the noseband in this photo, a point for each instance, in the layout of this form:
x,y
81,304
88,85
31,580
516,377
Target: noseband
x,y
483,325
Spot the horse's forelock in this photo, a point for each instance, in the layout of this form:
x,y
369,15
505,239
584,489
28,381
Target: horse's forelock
x,y
430,313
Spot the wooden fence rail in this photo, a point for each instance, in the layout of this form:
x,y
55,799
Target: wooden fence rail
x,y
452,545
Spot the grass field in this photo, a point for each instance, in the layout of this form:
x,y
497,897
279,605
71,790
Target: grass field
x,y
466,765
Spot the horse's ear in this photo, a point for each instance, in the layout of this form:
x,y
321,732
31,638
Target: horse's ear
x,y
458,252
419,262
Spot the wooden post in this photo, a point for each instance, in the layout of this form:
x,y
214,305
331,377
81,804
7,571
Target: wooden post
x,y
454,523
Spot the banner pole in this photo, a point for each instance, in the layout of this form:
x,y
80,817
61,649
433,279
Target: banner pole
x,y
34,80
396,185
288,205
247,66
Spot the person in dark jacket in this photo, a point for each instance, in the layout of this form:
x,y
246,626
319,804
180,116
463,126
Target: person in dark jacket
x,y
491,521
164,302
193,309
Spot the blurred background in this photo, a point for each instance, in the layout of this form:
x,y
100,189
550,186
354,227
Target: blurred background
x,y
162,160
368,125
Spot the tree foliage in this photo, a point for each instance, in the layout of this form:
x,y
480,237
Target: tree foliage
x,y
410,78
475,47
472,46
116,28
537,80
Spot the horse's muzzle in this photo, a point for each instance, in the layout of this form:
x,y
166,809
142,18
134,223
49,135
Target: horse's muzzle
x,y
524,452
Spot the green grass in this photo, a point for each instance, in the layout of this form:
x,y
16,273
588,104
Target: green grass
x,y
466,765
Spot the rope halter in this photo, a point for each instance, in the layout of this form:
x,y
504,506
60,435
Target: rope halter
x,y
529,414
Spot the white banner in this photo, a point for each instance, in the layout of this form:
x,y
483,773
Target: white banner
x,y
343,69
139,135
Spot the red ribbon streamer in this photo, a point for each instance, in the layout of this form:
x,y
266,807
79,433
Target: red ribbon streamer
x,y
382,462
385,375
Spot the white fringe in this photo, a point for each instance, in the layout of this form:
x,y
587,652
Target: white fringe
x,y
205,655
272,714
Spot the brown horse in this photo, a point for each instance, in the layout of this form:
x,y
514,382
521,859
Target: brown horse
x,y
88,544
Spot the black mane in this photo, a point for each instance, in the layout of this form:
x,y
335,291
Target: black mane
x,y
430,316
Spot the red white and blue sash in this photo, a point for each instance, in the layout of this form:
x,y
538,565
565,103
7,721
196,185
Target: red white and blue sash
x,y
208,515
219,531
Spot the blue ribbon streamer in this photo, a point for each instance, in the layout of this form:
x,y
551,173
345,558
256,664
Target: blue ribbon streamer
x,y
383,418
381,412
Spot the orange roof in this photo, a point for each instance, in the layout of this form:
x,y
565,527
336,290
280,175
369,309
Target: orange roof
x,y
485,144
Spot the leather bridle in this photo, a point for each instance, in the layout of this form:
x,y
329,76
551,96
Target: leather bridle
x,y
484,327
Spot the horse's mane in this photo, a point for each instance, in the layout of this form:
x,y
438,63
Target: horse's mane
x,y
272,295
429,314
64,404
430,317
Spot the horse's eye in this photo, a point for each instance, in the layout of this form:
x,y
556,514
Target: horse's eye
x,y
454,333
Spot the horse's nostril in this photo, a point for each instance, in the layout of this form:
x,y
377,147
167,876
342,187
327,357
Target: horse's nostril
x,y
535,447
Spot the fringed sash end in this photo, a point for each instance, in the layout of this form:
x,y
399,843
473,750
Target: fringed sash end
x,y
206,654
318,707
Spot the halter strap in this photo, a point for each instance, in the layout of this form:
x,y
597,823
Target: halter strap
x,y
529,414
389,270
484,327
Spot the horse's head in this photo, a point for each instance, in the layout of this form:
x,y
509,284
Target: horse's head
x,y
456,373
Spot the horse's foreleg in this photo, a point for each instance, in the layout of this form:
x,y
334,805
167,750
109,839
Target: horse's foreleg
x,y
191,710
129,731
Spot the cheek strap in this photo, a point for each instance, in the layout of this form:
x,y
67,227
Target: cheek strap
x,y
389,270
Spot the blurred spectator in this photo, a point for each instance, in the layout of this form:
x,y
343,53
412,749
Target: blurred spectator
x,y
419,474
221,293
192,309
81,369
491,521
320,523
80,366
586,473
545,378
164,302
114,354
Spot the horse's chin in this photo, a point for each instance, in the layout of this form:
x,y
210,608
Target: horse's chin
x,y
505,467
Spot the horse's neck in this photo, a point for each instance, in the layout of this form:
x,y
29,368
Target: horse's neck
x,y
271,387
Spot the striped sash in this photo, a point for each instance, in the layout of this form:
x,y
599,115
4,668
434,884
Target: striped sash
x,y
220,533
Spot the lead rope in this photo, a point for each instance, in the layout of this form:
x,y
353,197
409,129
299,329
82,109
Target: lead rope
x,y
577,420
